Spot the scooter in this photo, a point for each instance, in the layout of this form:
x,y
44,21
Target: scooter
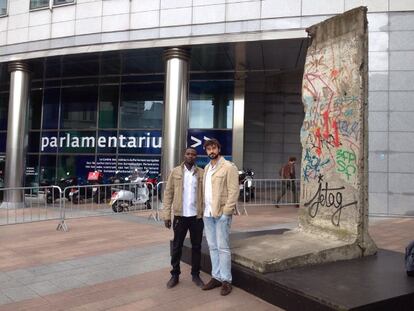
x,y
136,194
247,190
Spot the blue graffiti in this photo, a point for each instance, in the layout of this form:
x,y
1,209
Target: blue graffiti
x,y
313,165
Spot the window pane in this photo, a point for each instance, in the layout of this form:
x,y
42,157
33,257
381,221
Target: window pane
x,y
79,107
33,144
53,67
110,63
47,170
80,65
4,110
211,104
3,7
32,171
78,166
142,106
108,107
51,109
56,2
35,109
3,140
35,4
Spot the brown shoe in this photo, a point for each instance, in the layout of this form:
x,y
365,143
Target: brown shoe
x,y
213,283
226,288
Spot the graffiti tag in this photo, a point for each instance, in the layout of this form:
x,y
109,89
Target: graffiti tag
x,y
346,162
327,197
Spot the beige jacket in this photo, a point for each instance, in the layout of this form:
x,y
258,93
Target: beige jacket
x,y
225,187
173,193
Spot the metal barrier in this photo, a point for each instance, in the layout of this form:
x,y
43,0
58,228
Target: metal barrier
x,y
106,199
160,194
30,204
275,192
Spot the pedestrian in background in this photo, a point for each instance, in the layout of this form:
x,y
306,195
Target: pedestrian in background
x,y
288,174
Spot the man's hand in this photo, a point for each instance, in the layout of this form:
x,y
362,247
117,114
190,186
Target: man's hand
x,y
167,224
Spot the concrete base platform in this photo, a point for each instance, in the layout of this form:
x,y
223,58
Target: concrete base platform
x,y
273,252
369,283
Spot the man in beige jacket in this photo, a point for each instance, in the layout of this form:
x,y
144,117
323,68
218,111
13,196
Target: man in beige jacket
x,y
183,194
221,191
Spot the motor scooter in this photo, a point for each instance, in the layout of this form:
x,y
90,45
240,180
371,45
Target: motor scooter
x,y
136,195
247,190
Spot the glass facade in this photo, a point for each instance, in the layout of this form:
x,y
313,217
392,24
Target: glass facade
x,y
36,4
3,7
105,112
57,2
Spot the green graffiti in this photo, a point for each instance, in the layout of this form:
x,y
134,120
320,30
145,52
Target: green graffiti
x,y
346,162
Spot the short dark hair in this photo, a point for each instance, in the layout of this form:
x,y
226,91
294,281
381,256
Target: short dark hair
x,y
191,148
292,158
212,142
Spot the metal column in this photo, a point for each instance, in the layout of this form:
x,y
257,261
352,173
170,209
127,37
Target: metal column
x,y
174,134
238,108
16,134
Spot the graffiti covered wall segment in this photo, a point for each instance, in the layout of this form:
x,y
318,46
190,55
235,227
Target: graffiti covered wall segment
x,y
334,95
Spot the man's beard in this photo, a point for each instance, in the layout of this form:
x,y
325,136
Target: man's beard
x,y
213,156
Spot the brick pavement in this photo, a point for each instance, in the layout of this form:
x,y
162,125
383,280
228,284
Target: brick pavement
x,y
122,263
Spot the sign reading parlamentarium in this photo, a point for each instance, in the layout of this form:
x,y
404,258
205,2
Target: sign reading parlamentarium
x,y
145,142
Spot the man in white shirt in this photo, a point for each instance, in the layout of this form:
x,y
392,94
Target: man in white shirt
x,y
221,191
183,195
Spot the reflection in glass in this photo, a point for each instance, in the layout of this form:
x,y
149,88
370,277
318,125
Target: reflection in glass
x,y
51,109
3,139
79,166
33,145
32,171
211,104
56,2
36,4
108,106
35,109
79,107
47,171
53,67
4,109
142,106
3,7
80,65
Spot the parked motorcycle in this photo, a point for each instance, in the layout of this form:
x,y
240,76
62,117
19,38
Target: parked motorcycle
x,y
97,193
136,194
52,194
247,190
152,184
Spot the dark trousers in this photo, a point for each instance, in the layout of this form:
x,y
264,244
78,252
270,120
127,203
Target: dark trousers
x,y
288,185
180,226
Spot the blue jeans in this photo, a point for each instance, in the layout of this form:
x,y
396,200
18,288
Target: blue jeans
x,y
217,233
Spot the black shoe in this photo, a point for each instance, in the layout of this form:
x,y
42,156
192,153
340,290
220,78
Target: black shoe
x,y
198,281
173,281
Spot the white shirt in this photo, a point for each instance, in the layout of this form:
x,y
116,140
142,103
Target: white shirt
x,y
189,192
208,190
